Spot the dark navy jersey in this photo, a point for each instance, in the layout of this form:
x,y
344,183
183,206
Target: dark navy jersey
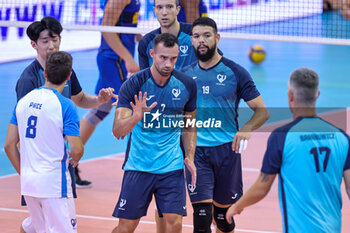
x,y
33,77
128,18
186,52
202,11
154,143
220,88
310,156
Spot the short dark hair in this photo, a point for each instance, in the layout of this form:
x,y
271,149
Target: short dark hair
x,y
176,2
205,21
169,40
49,23
304,83
58,67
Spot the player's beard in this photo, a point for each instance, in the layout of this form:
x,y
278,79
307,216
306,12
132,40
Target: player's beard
x,y
207,55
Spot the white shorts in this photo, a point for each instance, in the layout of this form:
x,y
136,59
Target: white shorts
x,y
50,215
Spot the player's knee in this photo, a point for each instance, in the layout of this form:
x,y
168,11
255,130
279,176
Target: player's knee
x,y
95,116
202,217
172,222
220,219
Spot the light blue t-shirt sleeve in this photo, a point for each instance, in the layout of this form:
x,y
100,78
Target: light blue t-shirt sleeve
x,y
14,117
70,117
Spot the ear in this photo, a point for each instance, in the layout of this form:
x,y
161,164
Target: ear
x,y
151,52
217,37
290,100
33,44
318,94
290,96
70,74
178,8
45,74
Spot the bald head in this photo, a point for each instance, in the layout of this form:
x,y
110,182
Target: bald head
x,y
303,83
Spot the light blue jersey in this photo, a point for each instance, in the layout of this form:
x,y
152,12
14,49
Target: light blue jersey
x,y
220,89
310,156
154,143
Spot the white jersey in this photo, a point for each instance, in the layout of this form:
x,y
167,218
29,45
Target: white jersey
x,y
44,117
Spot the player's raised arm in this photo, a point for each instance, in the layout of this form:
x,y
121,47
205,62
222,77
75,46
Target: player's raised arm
x,y
125,119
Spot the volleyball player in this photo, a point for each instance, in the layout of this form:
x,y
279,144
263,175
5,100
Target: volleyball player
x,y
41,121
311,157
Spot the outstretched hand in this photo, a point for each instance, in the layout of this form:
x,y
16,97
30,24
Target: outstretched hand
x,y
105,94
140,106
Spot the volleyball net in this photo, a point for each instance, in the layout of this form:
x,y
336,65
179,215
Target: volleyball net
x,y
282,20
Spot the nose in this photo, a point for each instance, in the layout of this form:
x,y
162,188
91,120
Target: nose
x,y
164,11
51,44
201,39
168,63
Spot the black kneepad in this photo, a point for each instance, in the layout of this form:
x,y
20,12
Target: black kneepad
x,y
220,219
202,217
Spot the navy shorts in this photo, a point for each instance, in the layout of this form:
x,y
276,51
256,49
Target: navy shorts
x,y
219,175
138,187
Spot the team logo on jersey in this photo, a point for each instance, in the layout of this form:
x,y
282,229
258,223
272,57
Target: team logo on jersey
x,y
150,97
191,187
183,49
176,92
221,78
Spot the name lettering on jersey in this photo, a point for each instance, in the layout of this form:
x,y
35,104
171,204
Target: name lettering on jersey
x,y
324,136
35,105
176,92
183,49
122,204
221,78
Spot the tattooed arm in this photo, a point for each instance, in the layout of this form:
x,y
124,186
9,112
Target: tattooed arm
x,y
256,192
